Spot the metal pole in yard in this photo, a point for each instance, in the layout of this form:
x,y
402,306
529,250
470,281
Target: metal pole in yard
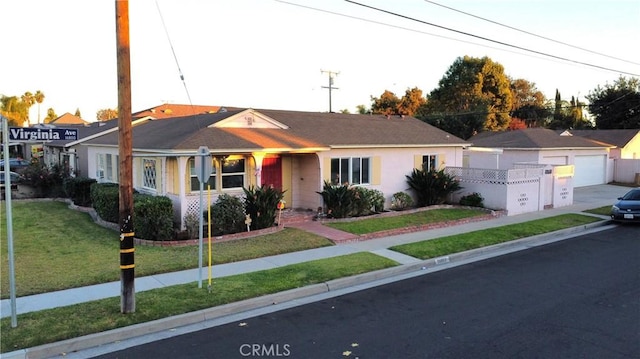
x,y
7,193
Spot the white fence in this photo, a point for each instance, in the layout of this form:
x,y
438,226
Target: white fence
x,y
528,188
627,171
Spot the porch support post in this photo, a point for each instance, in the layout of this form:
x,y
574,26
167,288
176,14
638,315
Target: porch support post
x,y
258,157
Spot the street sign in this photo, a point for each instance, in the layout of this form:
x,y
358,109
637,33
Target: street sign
x,y
42,134
203,164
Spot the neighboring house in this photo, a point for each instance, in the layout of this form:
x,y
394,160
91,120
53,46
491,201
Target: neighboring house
x,y
74,156
626,141
174,110
505,150
290,150
68,119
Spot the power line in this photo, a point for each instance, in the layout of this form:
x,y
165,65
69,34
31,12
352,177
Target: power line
x,y
491,40
530,33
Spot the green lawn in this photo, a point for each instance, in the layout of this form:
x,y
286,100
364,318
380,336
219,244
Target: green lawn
x,y
461,242
603,211
371,225
57,324
57,248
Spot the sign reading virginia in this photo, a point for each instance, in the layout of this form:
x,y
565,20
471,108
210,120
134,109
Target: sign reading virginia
x,y
42,134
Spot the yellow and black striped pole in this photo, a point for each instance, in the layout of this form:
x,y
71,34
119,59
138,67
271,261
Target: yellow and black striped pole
x,y
127,266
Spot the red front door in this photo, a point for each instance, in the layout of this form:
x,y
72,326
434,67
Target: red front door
x,y
272,172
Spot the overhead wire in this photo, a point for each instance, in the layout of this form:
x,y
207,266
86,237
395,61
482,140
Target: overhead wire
x,y
175,57
491,40
531,33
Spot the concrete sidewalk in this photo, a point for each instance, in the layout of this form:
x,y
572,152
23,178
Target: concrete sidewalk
x,y
584,198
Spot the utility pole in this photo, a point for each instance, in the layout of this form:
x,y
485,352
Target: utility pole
x,y
127,263
332,74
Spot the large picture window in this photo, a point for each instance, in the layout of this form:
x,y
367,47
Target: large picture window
x,y
352,170
233,173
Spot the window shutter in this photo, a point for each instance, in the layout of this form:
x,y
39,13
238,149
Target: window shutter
x,y
417,161
442,161
326,169
376,170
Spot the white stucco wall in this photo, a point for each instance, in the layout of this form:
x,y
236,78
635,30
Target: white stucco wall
x,y
395,164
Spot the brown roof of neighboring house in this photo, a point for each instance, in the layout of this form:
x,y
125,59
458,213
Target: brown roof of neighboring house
x,y
305,131
616,137
68,119
531,138
174,110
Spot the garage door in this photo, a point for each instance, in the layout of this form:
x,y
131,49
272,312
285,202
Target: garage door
x,y
590,170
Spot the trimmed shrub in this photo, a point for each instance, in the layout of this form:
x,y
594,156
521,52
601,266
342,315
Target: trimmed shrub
x,y
105,200
401,201
79,190
227,215
432,187
152,217
473,200
261,204
367,201
46,181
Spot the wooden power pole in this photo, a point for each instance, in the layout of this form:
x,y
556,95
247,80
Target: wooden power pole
x,y
127,250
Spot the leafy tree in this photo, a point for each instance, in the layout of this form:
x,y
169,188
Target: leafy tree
x,y
529,104
362,109
472,89
616,105
106,114
387,104
14,109
390,104
77,113
51,115
568,114
39,98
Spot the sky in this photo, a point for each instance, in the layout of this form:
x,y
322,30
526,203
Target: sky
x,y
271,54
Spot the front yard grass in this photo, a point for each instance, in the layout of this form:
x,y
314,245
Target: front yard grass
x,y
603,211
371,225
48,326
461,242
58,248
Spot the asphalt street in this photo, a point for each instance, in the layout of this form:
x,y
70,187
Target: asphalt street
x,y
577,298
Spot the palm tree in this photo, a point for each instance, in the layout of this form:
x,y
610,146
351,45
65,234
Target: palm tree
x,y
28,100
39,97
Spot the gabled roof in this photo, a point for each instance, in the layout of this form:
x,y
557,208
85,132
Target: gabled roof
x,y
174,110
292,131
617,137
68,119
532,138
86,132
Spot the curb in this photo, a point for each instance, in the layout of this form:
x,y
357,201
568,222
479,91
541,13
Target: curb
x,y
417,268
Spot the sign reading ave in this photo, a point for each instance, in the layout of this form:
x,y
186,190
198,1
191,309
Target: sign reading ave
x,y
42,134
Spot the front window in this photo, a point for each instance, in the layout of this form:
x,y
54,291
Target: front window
x,y
354,170
149,173
233,173
430,163
195,183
